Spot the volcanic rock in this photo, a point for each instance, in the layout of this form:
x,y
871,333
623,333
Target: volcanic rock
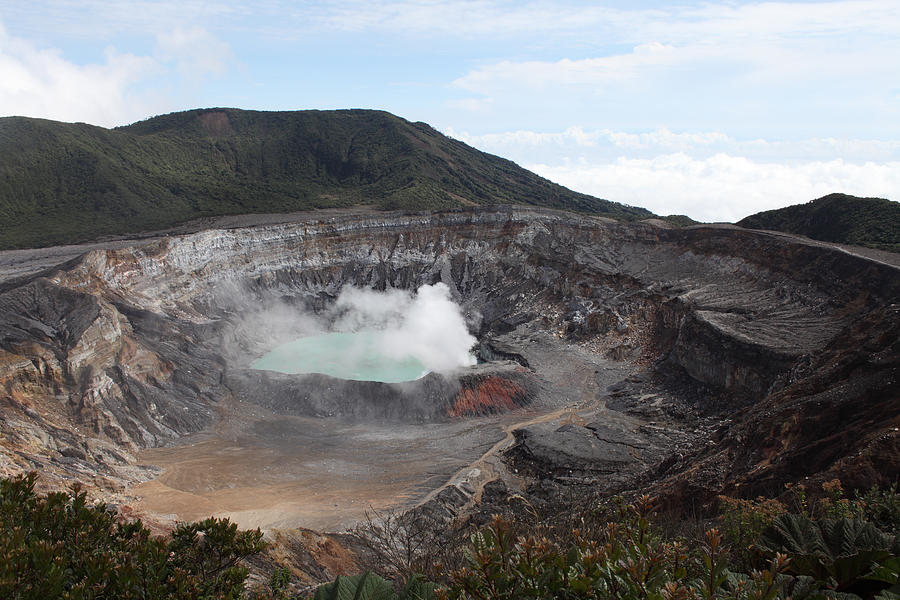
x,y
791,345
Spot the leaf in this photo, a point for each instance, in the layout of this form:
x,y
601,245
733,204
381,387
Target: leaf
x,y
834,595
887,571
843,549
794,534
844,537
366,586
418,589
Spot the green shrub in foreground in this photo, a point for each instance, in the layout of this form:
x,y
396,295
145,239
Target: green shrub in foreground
x,y
798,557
835,549
826,550
369,586
58,546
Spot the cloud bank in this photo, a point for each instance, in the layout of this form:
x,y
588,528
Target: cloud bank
x,y
722,187
41,82
709,176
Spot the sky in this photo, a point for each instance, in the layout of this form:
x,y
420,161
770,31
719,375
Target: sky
x,y
716,110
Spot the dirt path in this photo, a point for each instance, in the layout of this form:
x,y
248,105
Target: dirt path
x,y
489,466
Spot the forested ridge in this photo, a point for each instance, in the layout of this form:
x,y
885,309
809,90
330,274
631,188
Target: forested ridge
x,y
69,182
840,218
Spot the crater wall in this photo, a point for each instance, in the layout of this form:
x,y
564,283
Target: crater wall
x,y
134,347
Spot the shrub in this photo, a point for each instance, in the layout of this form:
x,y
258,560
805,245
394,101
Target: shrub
x,y
848,555
58,546
881,506
368,586
743,521
630,560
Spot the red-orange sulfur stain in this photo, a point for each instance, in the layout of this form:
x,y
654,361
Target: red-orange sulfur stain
x,y
491,395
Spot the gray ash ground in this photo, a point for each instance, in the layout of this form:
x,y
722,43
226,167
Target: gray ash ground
x,y
275,470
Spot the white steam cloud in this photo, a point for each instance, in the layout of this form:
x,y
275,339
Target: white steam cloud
x,y
428,325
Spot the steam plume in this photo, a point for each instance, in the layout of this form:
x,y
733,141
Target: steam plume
x,y
427,325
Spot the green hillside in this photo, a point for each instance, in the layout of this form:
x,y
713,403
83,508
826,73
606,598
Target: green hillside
x,y
62,183
872,222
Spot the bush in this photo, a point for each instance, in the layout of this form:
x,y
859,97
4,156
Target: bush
x,y
743,521
763,553
58,546
848,555
630,560
881,506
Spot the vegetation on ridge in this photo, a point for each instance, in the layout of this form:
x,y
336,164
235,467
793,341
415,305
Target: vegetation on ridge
x,y
63,182
836,548
871,222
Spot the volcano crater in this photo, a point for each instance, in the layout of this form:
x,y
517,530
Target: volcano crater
x,y
612,354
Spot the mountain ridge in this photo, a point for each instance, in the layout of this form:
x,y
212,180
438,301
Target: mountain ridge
x,y
62,183
838,218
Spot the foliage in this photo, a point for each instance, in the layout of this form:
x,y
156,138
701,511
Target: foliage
x,y
822,550
67,182
743,522
277,588
368,586
403,544
872,222
59,546
630,561
279,580
881,506
845,553
680,220
208,553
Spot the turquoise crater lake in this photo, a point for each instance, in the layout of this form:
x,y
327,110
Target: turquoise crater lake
x,y
355,356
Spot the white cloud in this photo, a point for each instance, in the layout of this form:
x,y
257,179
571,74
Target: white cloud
x,y
769,20
584,23
496,142
195,51
463,18
722,187
94,19
707,175
752,65
596,145
285,19
578,21
41,82
589,22
614,70
798,68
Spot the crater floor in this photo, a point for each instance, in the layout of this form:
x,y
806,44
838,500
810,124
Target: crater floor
x,y
276,471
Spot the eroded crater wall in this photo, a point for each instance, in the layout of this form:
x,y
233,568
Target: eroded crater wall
x,y
127,348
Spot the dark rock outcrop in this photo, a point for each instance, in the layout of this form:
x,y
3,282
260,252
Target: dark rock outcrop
x,y
484,390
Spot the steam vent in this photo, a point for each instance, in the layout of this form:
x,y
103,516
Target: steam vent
x,y
689,362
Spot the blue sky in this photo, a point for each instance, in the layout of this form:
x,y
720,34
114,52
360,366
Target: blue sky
x,y
711,109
